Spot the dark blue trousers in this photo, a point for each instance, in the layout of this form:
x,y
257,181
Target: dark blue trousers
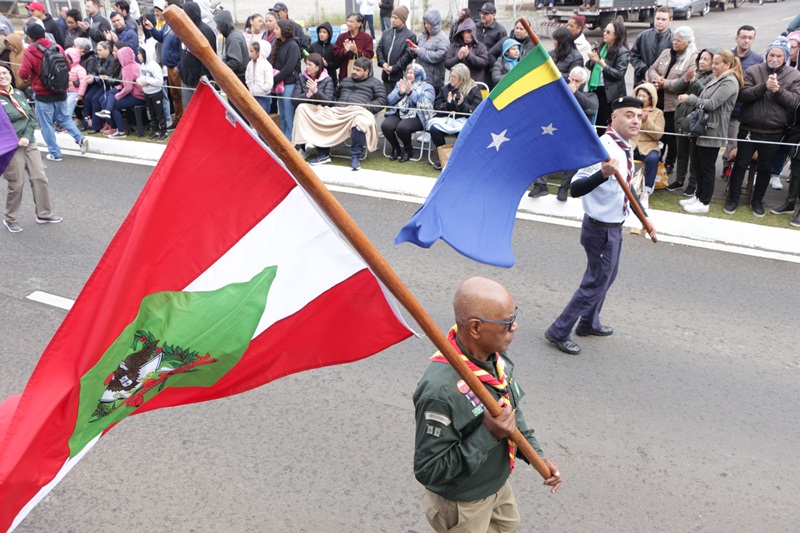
x,y
603,246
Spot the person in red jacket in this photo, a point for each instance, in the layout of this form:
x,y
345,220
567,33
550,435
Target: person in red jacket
x,y
351,45
50,106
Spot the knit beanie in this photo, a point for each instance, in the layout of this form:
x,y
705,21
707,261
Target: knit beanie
x,y
783,44
401,12
36,32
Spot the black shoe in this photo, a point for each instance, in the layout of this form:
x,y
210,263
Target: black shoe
x,y
670,168
690,190
675,185
568,346
563,193
795,221
539,189
730,207
406,156
786,208
437,165
395,154
758,208
602,331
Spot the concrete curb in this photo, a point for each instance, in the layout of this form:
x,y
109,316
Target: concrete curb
x,y
678,226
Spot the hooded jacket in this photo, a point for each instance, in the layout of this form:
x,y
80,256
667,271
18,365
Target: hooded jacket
x,y
433,49
191,67
504,63
762,110
325,49
258,75
325,89
15,58
77,72
150,72
394,50
31,68
234,49
131,71
478,57
695,87
652,128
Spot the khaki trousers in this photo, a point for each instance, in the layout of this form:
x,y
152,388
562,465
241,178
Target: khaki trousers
x,y
494,514
174,80
28,158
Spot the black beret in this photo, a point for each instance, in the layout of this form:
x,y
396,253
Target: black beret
x,y
626,101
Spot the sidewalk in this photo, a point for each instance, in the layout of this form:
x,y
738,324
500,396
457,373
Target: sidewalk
x,y
741,237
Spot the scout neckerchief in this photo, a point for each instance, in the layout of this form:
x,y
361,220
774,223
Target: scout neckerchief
x,y
13,100
626,147
500,383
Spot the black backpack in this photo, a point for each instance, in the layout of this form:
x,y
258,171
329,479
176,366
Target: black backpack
x,y
55,70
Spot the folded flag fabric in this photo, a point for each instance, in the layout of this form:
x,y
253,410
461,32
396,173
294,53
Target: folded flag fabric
x,y
8,141
529,126
217,282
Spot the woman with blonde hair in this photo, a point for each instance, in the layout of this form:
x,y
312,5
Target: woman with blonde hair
x,y
455,102
717,99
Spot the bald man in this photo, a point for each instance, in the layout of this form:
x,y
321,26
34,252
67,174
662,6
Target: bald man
x,y
462,452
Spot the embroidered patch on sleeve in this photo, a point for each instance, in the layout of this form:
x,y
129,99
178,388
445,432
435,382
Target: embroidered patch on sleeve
x,y
437,417
434,431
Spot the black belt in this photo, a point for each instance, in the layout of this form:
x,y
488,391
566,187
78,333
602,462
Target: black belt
x,y
604,224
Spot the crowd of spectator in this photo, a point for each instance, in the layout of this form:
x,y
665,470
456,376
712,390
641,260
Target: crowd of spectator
x,y
325,92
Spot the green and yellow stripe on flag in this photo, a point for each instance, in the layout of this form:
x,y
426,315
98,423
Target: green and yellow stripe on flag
x,y
535,70
529,126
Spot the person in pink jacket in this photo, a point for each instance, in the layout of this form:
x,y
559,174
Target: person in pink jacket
x,y
77,79
129,93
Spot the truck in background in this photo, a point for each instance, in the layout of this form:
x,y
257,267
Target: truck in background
x,y
604,12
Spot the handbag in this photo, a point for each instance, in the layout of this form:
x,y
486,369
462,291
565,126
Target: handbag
x,y
696,123
277,89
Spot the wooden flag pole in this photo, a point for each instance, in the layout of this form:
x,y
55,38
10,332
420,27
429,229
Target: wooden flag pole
x,y
637,208
238,94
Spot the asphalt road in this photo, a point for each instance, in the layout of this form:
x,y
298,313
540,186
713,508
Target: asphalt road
x,y
684,420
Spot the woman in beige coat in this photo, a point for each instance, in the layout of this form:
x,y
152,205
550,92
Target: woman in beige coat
x,y
646,141
670,67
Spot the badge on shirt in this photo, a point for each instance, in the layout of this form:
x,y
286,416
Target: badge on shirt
x,y
478,407
437,417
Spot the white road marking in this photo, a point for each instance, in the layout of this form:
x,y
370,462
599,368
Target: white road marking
x,y
51,299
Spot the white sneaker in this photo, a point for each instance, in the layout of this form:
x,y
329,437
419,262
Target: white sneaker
x,y
775,182
696,207
688,201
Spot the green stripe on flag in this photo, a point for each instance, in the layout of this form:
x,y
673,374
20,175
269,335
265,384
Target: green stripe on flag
x,y
178,339
537,57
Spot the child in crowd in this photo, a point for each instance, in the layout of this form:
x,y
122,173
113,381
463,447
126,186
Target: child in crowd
x,y
258,75
507,61
324,47
151,81
77,80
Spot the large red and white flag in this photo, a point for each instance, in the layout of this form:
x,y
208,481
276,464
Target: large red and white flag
x,y
223,277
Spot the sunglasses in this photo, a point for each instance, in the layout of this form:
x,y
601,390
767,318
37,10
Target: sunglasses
x,y
509,323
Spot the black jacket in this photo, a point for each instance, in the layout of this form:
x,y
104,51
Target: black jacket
x,y
386,7
614,74
471,100
287,60
325,49
394,50
192,69
369,91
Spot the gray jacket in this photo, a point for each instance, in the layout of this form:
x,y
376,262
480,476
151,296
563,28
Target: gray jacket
x,y
645,50
433,48
717,99
234,49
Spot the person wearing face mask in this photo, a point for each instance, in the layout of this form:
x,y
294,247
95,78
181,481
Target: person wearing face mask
x,y
771,92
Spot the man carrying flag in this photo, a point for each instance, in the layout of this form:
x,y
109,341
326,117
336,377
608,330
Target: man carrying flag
x,y
463,455
606,208
529,126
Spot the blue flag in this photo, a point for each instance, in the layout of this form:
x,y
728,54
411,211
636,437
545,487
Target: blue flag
x,y
529,126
